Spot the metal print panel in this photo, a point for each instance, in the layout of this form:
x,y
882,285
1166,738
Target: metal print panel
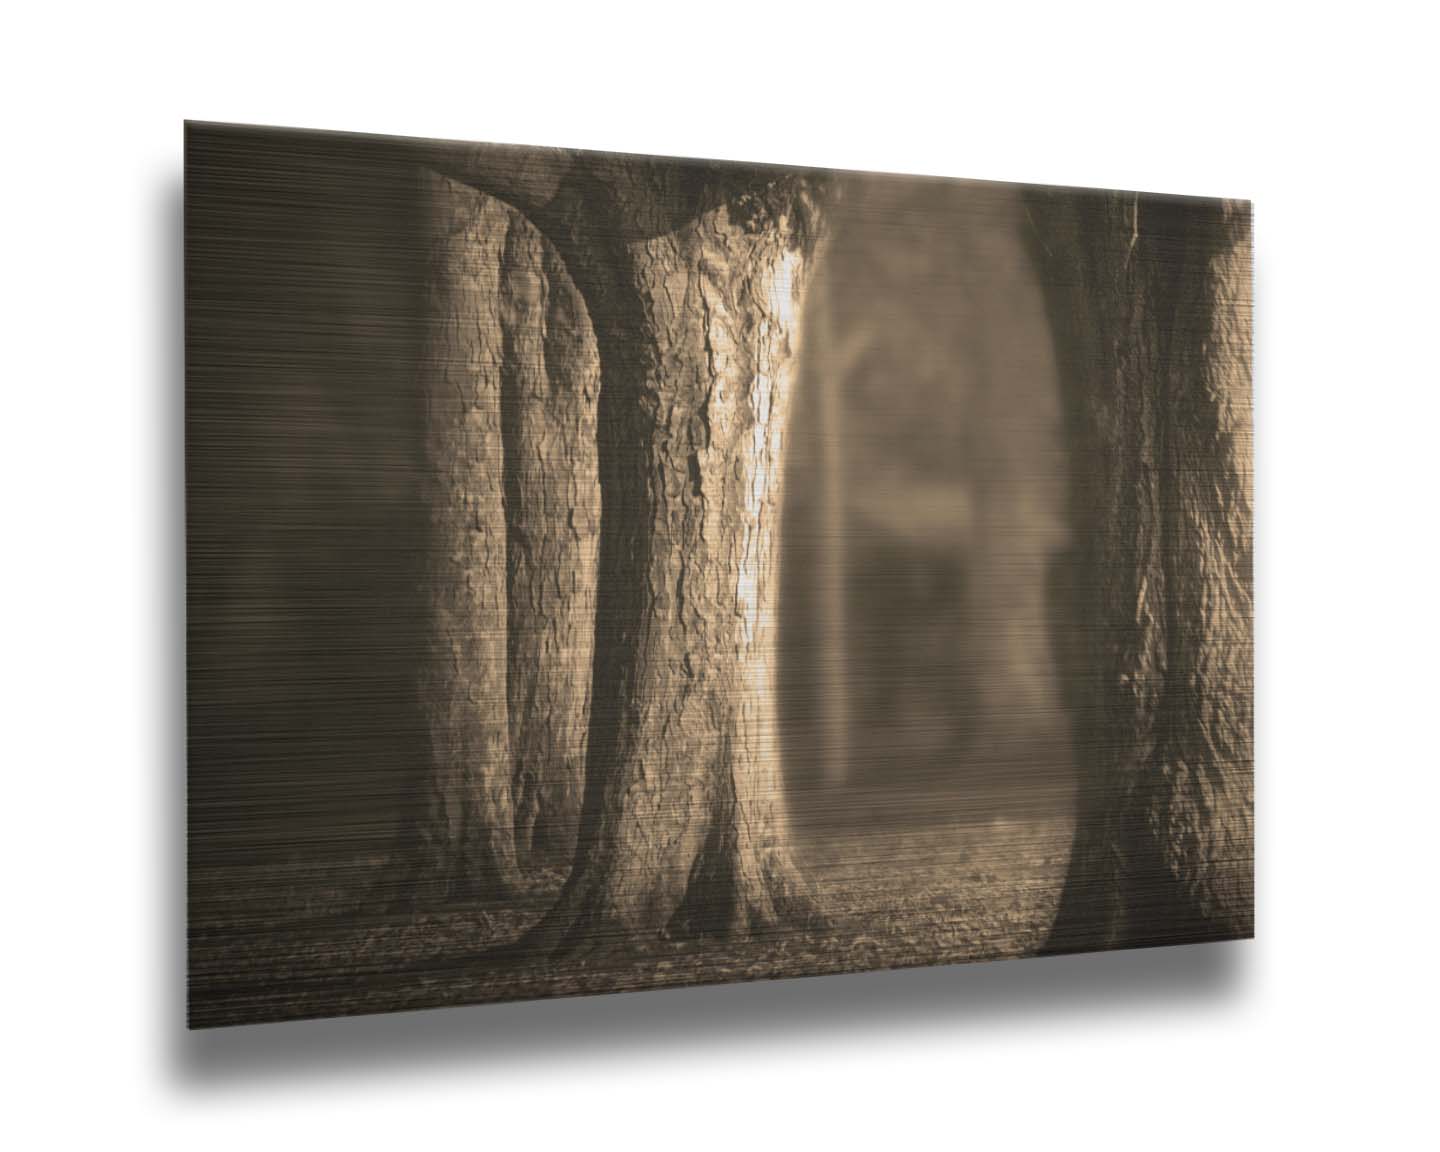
x,y
609,572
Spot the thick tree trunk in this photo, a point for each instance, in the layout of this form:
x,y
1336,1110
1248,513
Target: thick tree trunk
x,y
1151,303
550,380
684,827
465,835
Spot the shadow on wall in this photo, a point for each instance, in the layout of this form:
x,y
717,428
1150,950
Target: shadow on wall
x,y
712,1020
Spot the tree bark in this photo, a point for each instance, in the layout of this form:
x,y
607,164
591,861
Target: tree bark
x,y
466,825
694,284
549,383
1150,300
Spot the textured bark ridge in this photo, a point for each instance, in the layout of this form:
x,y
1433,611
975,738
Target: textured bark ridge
x,y
549,384
1151,300
466,841
694,285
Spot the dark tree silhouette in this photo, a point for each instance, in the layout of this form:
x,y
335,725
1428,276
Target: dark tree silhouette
x,y
1150,299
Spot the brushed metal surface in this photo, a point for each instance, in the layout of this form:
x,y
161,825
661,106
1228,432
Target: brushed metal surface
x,y
904,614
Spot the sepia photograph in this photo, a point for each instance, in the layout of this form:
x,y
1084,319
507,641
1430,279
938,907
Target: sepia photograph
x,y
769,577
609,572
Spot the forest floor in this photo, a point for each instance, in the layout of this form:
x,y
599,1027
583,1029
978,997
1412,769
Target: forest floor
x,y
285,942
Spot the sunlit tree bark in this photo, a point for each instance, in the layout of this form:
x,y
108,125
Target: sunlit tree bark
x,y
694,278
549,384
466,826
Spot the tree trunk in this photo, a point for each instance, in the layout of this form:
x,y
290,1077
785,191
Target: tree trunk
x,y
694,288
549,383
465,837
1151,303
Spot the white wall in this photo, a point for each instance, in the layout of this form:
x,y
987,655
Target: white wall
x,y
1323,1027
